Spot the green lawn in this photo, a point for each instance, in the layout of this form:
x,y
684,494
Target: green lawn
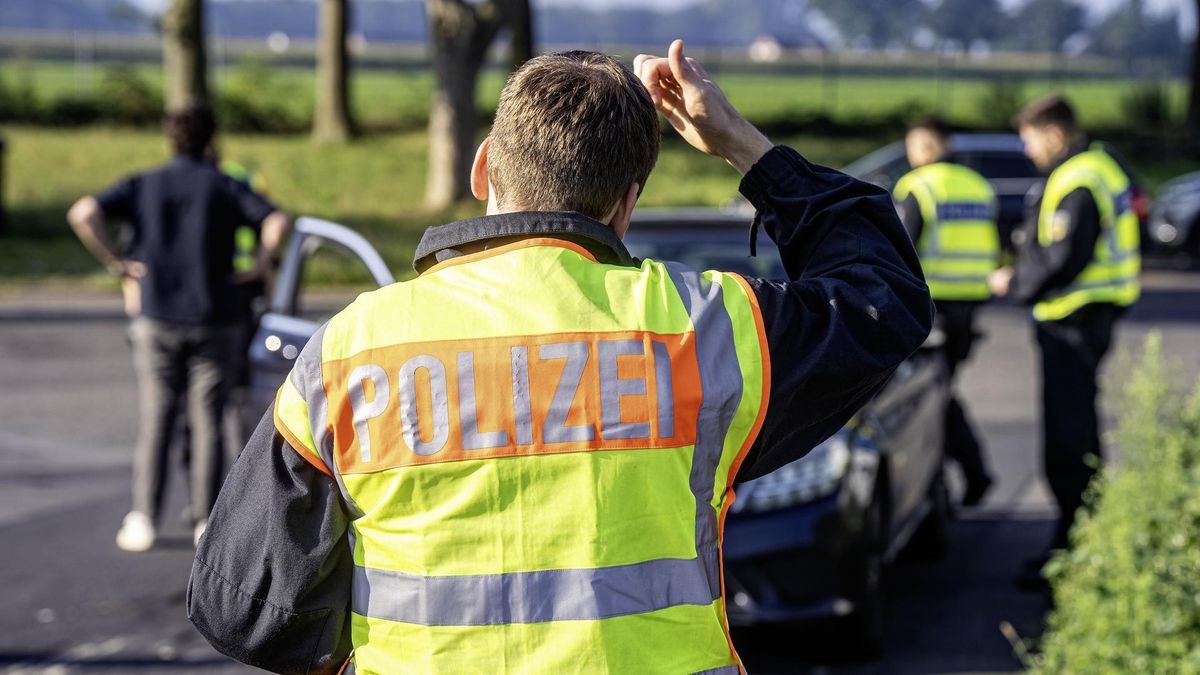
x,y
374,184
400,98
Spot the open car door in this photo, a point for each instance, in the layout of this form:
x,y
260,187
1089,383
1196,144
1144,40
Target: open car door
x,y
318,251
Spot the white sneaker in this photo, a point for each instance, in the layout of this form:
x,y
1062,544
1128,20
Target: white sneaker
x,y
136,533
198,531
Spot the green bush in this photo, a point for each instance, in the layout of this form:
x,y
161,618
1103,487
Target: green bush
x,y
1001,103
253,100
126,98
1147,107
1127,595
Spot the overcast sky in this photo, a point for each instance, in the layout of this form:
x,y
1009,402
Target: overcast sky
x,y
1102,6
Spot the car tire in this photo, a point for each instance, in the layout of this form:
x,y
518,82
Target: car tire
x,y
931,541
865,627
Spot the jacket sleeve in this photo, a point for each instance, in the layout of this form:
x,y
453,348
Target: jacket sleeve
x,y
270,585
854,307
1040,270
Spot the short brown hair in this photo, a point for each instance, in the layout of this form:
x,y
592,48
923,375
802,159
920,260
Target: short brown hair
x,y
1049,110
572,132
934,125
190,129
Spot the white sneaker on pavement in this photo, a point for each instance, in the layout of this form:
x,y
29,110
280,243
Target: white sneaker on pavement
x,y
198,531
136,533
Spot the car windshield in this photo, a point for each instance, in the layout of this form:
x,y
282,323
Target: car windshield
x,y
727,250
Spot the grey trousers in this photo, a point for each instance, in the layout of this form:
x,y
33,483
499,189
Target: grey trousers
x,y
173,363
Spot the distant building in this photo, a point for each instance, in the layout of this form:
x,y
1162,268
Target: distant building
x,y
769,47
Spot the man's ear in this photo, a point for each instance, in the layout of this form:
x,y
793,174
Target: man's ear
x,y
624,212
479,171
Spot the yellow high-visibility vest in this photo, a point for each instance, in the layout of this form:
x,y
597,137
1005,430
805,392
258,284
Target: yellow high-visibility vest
x,y
537,452
959,243
245,239
1112,275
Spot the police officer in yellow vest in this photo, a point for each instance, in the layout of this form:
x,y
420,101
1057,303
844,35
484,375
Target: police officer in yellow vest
x,y
520,460
949,211
1077,264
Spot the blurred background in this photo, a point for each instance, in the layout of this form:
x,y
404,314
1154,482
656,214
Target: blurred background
x,y
366,113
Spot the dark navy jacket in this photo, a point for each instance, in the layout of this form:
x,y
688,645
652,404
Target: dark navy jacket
x,y
271,581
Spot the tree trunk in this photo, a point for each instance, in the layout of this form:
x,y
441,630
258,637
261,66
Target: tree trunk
x,y
332,121
520,25
184,63
459,36
1193,117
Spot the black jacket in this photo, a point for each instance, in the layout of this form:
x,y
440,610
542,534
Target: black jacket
x,y
271,582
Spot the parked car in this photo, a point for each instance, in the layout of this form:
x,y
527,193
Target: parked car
x,y
1173,229
808,541
998,157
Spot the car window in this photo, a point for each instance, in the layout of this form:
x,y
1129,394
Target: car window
x,y
994,165
330,278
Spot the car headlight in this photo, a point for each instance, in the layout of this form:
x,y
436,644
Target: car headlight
x,y
1166,232
815,475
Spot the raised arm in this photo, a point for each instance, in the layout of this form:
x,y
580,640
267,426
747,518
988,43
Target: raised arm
x,y
855,305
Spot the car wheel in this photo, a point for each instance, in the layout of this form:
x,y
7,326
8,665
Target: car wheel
x,y
866,624
932,538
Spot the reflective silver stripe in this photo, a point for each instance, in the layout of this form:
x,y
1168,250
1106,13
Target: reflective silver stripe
x,y
471,438
664,385
532,597
613,387
361,410
308,378
521,397
555,429
721,391
439,403
723,670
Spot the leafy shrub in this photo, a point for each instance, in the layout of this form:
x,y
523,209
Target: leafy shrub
x,y
1001,103
128,99
252,100
1147,107
17,103
72,111
1127,595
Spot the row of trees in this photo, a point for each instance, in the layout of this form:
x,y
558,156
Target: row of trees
x,y
460,34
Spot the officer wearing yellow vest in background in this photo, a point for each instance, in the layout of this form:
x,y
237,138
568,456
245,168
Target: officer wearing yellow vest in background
x,y
520,460
1077,264
949,211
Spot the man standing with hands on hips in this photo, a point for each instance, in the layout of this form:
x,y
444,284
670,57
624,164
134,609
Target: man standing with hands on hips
x,y
1077,264
520,460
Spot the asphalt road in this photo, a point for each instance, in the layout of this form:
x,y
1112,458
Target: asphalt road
x,y
74,603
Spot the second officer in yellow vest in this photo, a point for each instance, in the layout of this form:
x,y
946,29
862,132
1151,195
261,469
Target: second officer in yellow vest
x,y
520,460
1077,264
949,211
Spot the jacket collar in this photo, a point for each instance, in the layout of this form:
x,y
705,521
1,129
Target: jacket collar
x,y
439,243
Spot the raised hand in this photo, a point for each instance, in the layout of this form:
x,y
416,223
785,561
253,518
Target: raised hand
x,y
698,109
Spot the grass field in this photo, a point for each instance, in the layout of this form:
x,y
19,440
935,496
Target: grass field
x,y
401,98
376,183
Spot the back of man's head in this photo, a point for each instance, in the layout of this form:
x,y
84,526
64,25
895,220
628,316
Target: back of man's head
x,y
1050,110
190,129
573,132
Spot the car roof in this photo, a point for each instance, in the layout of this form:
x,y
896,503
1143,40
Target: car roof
x,y
691,217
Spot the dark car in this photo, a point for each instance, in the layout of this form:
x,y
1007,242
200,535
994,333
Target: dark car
x,y
1173,229
808,541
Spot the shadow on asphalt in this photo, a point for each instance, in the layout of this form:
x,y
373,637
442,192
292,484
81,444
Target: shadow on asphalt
x,y
56,663
942,617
